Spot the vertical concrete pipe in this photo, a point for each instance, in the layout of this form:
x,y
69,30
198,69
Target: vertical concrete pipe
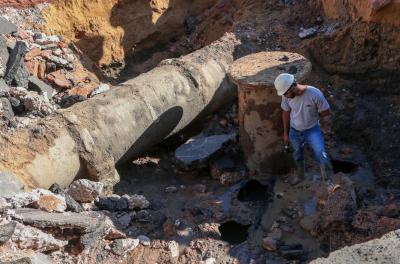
x,y
259,107
89,138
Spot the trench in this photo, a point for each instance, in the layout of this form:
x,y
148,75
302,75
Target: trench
x,y
152,173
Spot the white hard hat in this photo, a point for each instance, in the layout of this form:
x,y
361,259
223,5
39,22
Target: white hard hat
x,y
283,82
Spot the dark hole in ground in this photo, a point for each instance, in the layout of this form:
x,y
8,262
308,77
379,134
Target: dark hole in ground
x,y
253,191
343,166
233,232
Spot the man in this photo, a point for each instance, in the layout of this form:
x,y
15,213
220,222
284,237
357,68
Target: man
x,y
303,107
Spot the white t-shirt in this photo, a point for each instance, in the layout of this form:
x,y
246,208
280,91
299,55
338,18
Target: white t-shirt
x,y
304,109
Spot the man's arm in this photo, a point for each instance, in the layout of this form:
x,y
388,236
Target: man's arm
x,y
286,124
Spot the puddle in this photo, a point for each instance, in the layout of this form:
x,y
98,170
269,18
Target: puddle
x,y
233,232
343,166
253,191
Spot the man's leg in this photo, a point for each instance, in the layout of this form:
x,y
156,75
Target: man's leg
x,y
297,142
315,139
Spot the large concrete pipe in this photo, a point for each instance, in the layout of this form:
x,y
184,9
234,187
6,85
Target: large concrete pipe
x,y
89,138
260,124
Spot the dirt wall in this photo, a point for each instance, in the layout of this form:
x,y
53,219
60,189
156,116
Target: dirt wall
x,y
379,11
109,30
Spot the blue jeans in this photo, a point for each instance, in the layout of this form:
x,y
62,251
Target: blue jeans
x,y
314,138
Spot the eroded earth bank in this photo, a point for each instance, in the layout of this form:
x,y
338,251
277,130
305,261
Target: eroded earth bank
x,y
122,132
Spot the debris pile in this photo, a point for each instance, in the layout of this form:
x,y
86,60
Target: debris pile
x,y
55,222
39,74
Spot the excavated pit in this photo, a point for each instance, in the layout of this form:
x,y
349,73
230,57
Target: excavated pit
x,y
233,232
343,166
253,191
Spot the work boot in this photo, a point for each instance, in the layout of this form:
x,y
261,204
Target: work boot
x,y
326,173
299,174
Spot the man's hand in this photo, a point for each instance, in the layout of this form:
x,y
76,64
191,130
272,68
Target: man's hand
x,y
285,139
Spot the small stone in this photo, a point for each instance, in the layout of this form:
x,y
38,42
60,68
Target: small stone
x,y
136,201
269,244
85,190
6,112
101,89
109,203
144,240
173,247
171,189
59,79
121,247
124,220
32,54
307,32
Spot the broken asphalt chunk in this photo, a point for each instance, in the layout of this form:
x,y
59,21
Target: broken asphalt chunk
x,y
15,61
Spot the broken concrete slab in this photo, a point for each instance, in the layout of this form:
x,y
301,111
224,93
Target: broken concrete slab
x,y
198,150
6,231
6,27
33,258
15,61
40,219
9,185
35,84
27,237
39,198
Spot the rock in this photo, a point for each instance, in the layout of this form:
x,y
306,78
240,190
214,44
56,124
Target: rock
x,y
4,204
21,76
15,61
27,237
59,79
101,89
124,220
6,27
173,247
32,258
6,112
269,244
136,201
231,177
72,205
85,190
58,61
67,101
50,203
9,185
35,84
171,189
121,247
196,151
32,101
6,231
4,89
3,56
144,240
219,166
109,203
43,40
40,199
32,54
307,32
